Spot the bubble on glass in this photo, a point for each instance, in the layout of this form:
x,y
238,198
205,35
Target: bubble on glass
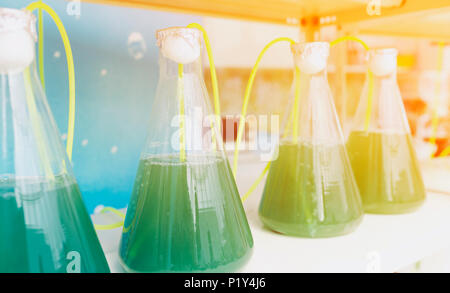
x,y
136,45
84,142
56,54
64,136
114,150
103,72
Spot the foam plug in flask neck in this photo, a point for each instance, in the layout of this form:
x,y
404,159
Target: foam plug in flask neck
x,y
179,44
17,38
382,62
311,58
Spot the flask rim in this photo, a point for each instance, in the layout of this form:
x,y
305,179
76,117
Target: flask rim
x,y
191,34
383,51
305,47
13,20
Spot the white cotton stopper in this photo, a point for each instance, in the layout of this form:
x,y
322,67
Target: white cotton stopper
x,y
383,62
179,44
311,58
17,37
312,65
179,50
16,51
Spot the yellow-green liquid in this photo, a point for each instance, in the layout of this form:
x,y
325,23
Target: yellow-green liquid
x,y
310,192
386,171
185,217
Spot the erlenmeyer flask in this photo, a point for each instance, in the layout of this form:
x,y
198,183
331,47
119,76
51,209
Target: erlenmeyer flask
x,y
185,212
44,224
380,146
310,189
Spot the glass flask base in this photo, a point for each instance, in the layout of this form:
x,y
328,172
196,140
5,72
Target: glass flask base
x,y
233,267
310,192
393,208
185,217
310,231
387,172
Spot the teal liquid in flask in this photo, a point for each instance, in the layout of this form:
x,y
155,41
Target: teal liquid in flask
x,y
185,213
44,225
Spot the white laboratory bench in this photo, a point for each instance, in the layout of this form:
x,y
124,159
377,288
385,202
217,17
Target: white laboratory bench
x,y
380,244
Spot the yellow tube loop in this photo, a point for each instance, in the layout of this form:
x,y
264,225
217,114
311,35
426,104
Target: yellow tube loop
x,y
70,67
349,38
248,90
437,89
114,225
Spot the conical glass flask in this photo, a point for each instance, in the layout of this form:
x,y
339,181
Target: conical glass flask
x,y
310,189
380,146
44,224
185,212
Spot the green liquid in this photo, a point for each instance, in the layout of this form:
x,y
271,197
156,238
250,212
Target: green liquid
x,y
386,171
310,192
185,217
45,228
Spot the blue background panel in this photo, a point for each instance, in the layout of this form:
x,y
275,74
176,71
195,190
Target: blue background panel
x,y
116,71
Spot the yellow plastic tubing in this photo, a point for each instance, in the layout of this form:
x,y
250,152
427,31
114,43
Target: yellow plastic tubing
x,y
297,91
180,94
113,225
248,90
70,66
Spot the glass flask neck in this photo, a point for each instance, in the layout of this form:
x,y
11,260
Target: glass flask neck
x,y
388,78
311,116
30,144
170,69
17,52
183,123
307,77
381,106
